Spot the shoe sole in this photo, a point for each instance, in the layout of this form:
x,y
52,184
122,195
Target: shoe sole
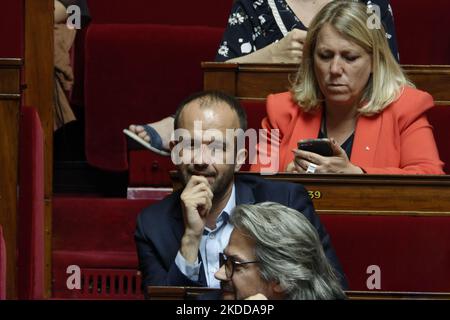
x,y
144,143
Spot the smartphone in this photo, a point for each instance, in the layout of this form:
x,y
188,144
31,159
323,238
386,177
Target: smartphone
x,y
319,146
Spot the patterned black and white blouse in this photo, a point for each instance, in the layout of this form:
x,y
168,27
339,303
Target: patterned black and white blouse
x,y
254,24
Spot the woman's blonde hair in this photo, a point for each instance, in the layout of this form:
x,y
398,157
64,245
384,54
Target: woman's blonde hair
x,y
351,19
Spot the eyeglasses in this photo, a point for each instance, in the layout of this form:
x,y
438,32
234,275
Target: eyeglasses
x,y
230,264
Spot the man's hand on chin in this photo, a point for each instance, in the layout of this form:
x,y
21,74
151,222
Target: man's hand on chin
x,y
196,200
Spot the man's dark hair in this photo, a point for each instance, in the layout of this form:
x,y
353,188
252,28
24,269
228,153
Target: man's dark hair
x,y
207,97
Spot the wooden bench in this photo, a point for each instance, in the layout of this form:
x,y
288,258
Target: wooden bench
x,y
256,81
192,293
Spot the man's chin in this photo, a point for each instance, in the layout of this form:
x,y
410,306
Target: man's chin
x,y
211,178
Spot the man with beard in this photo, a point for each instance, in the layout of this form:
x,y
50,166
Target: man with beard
x,y
179,239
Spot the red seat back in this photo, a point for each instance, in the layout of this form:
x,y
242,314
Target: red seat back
x,y
138,74
439,118
187,13
176,12
422,31
2,266
31,207
97,236
413,253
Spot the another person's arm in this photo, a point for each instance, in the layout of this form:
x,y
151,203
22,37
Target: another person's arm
x,y
239,46
238,43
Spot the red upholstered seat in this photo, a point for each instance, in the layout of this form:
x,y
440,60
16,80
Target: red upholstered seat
x,y
94,234
176,12
422,31
439,118
97,234
2,266
31,207
137,74
413,253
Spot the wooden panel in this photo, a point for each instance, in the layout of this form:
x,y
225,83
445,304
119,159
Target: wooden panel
x,y
369,194
375,194
39,94
393,295
223,78
189,293
256,81
178,293
10,78
433,79
9,124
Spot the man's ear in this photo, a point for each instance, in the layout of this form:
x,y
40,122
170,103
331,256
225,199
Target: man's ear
x,y
277,291
277,288
240,159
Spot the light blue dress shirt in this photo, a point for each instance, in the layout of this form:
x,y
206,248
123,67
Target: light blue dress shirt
x,y
213,242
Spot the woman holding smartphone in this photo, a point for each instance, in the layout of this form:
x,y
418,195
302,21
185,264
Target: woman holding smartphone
x,y
351,90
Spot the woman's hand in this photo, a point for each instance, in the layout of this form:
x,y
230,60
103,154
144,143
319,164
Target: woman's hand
x,y
338,163
290,48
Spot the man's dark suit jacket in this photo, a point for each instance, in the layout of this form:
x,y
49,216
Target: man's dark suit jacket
x,y
160,228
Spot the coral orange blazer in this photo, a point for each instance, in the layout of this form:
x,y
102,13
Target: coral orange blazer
x,y
399,140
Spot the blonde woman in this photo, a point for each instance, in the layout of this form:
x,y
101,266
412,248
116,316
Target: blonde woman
x,y
351,90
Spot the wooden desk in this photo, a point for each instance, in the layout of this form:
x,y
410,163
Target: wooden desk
x,y
177,293
394,295
256,81
375,194
370,194
191,293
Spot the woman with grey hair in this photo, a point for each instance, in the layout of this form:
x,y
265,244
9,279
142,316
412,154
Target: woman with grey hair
x,y
275,253
351,91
